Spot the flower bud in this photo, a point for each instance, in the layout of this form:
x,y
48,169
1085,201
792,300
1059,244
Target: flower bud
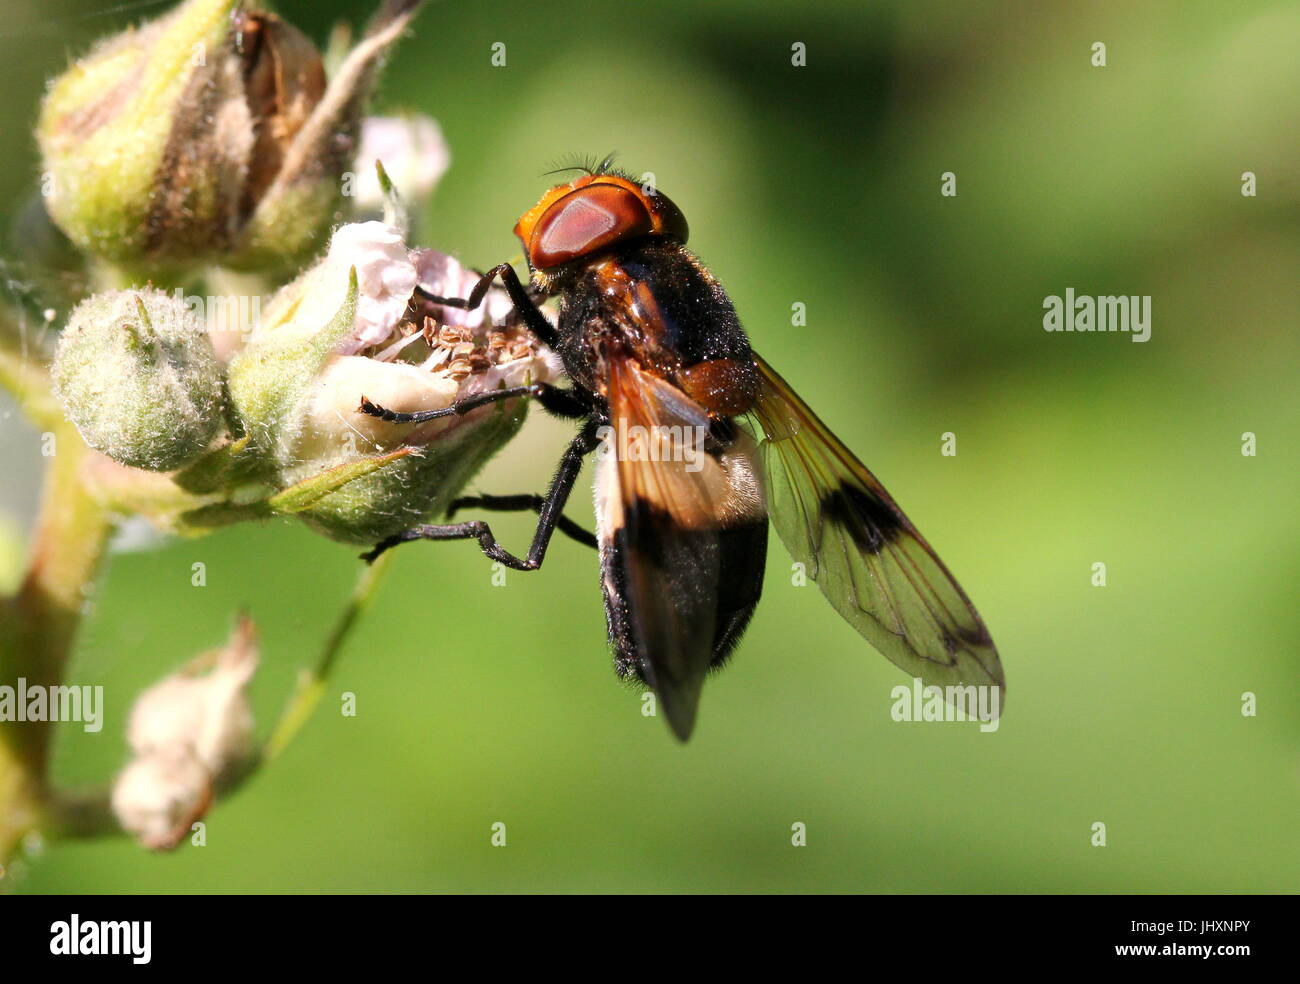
x,y
128,137
202,708
208,136
188,734
354,327
137,375
157,797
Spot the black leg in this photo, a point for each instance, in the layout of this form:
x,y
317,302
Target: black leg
x,y
561,402
550,514
535,293
519,296
522,503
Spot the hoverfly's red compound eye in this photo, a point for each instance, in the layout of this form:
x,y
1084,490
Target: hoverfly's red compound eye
x,y
591,214
585,221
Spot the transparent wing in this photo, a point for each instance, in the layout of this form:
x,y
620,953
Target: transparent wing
x,y
866,556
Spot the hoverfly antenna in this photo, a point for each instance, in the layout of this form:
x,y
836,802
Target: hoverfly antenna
x,y
561,170
587,165
573,162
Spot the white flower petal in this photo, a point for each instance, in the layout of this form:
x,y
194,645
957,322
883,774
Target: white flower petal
x,y
386,278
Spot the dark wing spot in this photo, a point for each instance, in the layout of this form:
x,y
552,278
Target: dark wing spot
x,y
969,638
866,518
951,645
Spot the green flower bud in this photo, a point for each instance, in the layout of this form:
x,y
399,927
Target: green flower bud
x,y
208,136
352,327
446,453
126,146
137,375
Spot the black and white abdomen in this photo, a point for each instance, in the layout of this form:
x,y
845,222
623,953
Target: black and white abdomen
x,y
732,546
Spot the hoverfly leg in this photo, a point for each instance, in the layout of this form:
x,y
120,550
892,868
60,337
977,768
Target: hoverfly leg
x,y
561,402
524,302
550,518
525,502
535,294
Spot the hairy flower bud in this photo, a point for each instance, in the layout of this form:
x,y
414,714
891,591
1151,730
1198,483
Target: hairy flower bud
x,y
137,375
206,136
353,327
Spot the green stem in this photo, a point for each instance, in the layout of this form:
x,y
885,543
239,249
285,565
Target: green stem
x,y
85,814
39,625
311,685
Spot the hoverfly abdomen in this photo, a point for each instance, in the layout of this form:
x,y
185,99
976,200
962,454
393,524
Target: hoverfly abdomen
x,y
682,530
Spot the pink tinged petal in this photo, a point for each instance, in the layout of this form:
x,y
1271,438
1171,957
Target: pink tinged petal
x,y
443,276
413,151
386,278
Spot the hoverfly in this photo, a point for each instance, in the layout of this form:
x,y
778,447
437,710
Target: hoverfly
x,y
665,384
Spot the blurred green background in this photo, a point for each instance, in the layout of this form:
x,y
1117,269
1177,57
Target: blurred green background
x,y
479,704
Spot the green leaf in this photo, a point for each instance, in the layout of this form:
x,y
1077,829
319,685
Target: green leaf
x,y
222,514
309,492
396,213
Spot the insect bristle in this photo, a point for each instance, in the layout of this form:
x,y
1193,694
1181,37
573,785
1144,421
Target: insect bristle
x,y
587,164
